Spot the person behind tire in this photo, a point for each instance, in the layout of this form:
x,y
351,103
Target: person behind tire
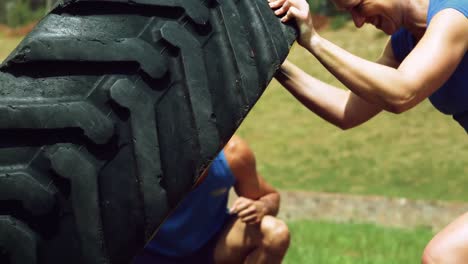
x,y
203,230
424,58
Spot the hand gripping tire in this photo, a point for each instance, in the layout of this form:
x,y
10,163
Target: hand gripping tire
x,y
109,111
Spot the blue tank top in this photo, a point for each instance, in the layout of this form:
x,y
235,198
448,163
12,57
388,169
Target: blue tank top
x,y
199,216
452,97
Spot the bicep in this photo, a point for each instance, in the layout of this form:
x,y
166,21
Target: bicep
x,y
254,187
438,53
242,164
249,182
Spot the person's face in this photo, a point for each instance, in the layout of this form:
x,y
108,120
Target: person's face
x,y
376,12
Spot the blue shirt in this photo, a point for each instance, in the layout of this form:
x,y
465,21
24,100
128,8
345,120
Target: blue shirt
x,y
452,97
199,217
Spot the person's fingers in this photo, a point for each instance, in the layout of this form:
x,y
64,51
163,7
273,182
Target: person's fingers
x,y
298,3
283,9
241,207
286,17
276,4
247,211
293,12
251,219
235,207
238,202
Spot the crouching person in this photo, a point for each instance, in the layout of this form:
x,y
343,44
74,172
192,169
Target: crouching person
x,y
203,230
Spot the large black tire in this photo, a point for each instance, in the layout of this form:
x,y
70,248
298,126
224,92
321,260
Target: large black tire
x,y
109,111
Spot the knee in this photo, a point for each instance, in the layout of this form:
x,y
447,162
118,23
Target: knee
x,y
428,256
450,245
440,251
276,236
432,254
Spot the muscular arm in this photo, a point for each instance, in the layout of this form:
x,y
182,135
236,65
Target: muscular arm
x,y
340,107
425,69
249,183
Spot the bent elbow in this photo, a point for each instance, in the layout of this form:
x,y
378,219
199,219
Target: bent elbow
x,y
346,125
405,98
397,108
402,104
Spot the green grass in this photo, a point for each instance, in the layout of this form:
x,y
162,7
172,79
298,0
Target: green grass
x,y
7,45
322,242
420,154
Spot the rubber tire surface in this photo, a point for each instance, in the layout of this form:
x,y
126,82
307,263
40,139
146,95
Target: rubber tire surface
x,y
109,111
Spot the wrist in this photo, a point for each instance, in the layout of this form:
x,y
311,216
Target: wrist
x,y
262,206
284,71
314,43
265,207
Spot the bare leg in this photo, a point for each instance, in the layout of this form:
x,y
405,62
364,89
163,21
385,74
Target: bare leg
x,y
263,243
449,246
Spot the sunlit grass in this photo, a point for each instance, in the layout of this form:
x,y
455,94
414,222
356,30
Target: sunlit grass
x,y
418,154
7,45
322,242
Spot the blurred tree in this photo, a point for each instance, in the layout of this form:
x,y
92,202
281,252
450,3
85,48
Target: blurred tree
x,y
21,12
2,12
48,5
327,8
324,7
35,4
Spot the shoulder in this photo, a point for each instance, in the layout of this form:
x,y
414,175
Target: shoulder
x,y
450,26
239,157
435,7
447,22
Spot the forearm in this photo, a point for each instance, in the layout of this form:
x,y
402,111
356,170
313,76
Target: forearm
x,y
384,86
271,203
335,105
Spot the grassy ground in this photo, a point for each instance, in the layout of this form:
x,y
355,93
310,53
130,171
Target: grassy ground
x,y
319,242
419,154
7,45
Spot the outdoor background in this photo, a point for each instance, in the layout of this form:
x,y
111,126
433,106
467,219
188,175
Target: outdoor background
x,y
419,155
